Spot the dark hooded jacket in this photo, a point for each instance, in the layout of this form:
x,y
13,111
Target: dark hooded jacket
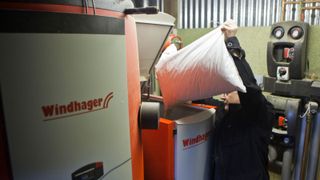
x,y
241,137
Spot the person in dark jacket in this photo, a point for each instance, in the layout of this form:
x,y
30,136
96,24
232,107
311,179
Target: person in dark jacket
x,y
241,137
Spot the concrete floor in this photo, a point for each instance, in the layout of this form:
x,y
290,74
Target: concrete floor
x,y
274,176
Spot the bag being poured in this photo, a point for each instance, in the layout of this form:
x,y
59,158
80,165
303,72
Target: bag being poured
x,y
200,70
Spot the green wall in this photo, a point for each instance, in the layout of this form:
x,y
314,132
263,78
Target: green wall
x,y
254,41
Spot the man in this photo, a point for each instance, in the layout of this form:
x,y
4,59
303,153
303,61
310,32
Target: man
x,y
242,136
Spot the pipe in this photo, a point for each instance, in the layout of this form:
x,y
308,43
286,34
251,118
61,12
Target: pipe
x,y
306,8
286,166
309,8
314,149
302,9
94,7
283,10
299,149
301,2
305,146
85,2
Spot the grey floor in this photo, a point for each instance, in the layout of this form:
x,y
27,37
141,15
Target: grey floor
x,y
274,176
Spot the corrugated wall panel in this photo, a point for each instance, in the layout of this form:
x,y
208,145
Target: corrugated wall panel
x,y
215,14
211,13
317,19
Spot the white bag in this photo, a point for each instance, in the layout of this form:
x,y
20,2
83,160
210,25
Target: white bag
x,y
200,70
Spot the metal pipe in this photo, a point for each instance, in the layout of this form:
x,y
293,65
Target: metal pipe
x,y
299,149
86,5
314,148
286,166
305,147
309,8
302,7
301,2
94,7
283,10
311,110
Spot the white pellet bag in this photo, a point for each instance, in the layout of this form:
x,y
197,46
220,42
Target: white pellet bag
x,y
200,70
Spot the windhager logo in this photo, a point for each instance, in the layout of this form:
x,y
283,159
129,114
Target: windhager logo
x,y
196,140
74,108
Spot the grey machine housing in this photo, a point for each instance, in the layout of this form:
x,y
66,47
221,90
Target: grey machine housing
x,y
286,50
292,35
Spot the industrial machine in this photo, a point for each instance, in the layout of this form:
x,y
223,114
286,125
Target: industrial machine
x,y
286,54
179,147
294,149
71,75
70,102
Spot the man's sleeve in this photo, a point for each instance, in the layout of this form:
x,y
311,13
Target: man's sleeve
x,y
253,102
254,95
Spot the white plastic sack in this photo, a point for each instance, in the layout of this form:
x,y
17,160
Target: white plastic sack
x,y
200,70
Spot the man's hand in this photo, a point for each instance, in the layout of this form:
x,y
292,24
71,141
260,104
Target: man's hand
x,y
229,28
231,98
